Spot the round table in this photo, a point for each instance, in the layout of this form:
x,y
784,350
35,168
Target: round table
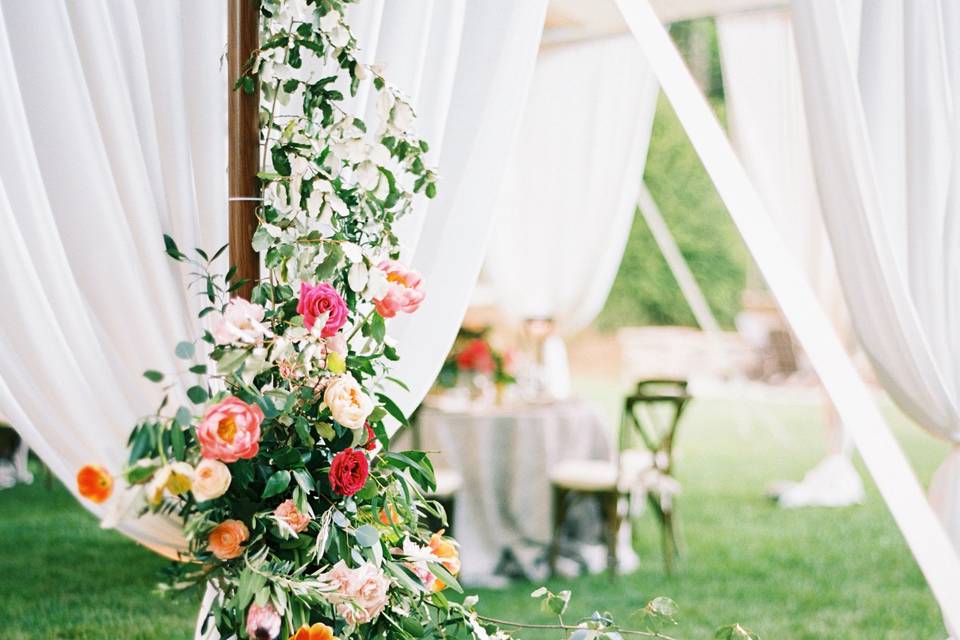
x,y
503,514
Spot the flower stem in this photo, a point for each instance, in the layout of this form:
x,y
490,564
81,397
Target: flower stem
x,y
565,627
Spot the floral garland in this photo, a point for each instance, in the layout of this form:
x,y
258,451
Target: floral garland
x,y
292,505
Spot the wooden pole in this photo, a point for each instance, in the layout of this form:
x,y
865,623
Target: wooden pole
x,y
244,143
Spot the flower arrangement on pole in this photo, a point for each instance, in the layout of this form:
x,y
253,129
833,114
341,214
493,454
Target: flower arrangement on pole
x,y
276,461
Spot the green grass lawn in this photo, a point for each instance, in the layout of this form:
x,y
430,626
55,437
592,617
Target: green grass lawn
x,y
812,573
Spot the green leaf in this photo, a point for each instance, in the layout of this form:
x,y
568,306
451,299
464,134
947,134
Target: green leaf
x,y
280,161
367,535
185,350
197,394
231,360
199,369
277,484
445,576
393,409
304,479
177,441
153,376
431,190
171,248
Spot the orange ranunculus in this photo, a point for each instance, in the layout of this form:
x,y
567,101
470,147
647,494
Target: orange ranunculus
x,y
94,483
227,538
446,550
318,631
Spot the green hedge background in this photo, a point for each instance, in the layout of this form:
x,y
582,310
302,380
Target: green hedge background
x,y
645,291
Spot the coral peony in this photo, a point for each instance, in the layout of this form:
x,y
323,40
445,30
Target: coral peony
x,y
94,483
322,301
263,623
348,472
240,323
347,402
290,517
404,290
316,631
230,430
211,479
227,538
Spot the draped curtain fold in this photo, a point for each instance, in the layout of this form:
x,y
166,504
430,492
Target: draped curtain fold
x,y
114,117
880,90
578,161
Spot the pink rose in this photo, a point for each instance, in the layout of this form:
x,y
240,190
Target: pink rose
x,y
230,430
263,623
322,300
404,290
288,514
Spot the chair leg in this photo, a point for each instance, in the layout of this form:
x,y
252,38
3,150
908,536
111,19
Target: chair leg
x,y
559,517
610,503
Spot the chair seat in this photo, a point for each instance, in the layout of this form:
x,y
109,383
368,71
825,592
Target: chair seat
x,y
601,475
448,483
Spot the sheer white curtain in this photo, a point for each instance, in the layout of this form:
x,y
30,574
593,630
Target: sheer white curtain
x,y
885,138
114,121
578,163
497,54
114,127
764,102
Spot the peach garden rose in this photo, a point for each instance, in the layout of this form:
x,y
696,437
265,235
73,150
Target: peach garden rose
x,y
263,623
290,517
230,430
348,403
211,479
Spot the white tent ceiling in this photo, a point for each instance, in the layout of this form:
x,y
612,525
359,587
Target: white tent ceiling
x,y
571,20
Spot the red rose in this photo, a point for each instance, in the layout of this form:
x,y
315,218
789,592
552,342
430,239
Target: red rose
x,y
371,438
348,472
476,356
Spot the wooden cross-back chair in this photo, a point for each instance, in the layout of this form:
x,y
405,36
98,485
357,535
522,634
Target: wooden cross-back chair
x,y
651,414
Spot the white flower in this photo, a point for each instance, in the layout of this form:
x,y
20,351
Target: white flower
x,y
385,104
211,479
403,116
416,553
367,175
329,21
377,284
352,251
240,323
175,478
348,403
357,276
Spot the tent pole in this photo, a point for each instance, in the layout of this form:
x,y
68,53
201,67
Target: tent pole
x,y
881,453
243,143
678,266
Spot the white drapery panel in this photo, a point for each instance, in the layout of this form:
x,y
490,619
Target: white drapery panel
x,y
116,132
885,141
882,455
579,159
764,102
497,54
114,120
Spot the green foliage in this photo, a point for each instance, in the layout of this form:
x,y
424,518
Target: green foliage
x,y
645,291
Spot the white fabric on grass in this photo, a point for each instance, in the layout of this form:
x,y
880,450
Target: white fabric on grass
x,y
578,163
764,104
